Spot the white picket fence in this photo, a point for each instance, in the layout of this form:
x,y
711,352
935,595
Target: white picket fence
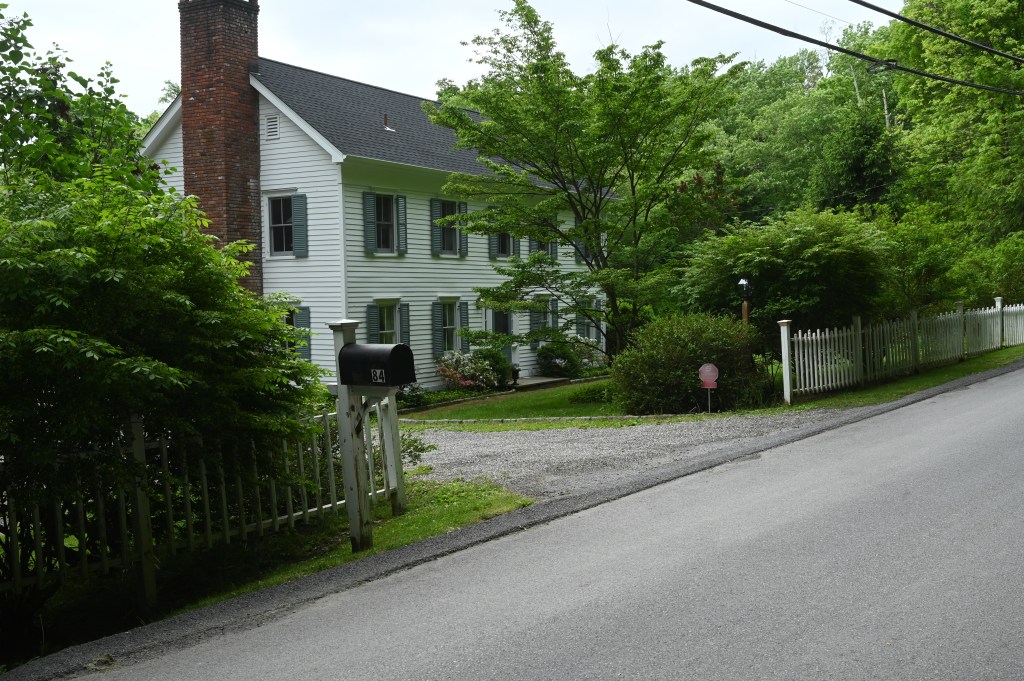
x,y
181,504
832,359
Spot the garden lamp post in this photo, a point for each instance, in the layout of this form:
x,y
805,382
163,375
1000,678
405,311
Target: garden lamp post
x,y
744,286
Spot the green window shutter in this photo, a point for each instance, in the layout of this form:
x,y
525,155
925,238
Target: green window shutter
x,y
463,324
581,324
435,229
492,246
552,248
515,246
302,322
300,227
369,222
535,322
533,246
405,332
578,249
403,225
553,306
372,323
436,330
463,234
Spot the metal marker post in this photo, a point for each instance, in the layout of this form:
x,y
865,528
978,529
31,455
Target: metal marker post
x,y
352,446
708,374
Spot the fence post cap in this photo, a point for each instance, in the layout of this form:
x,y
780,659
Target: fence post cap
x,y
785,322
343,324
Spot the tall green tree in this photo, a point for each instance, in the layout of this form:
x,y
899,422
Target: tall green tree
x,y
59,123
815,268
966,145
586,162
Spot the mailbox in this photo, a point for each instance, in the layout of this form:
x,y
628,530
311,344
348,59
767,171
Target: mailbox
x,y
376,365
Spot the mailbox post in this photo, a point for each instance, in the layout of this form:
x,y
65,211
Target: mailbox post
x,y
353,448
375,371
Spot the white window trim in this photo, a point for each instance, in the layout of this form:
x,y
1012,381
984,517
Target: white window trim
x,y
269,194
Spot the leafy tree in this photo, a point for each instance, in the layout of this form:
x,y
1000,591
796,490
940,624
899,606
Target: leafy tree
x,y
818,269
606,150
800,135
967,143
57,122
112,303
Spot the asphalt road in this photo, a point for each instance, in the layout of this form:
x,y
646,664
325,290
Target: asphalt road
x,y
889,548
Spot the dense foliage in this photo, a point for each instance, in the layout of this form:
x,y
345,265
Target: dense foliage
x,y
658,374
113,303
586,163
816,269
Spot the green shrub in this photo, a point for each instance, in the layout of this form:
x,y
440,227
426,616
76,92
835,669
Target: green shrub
x,y
558,360
658,374
411,396
599,392
499,365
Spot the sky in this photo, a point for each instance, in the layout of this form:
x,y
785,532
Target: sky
x,y
408,45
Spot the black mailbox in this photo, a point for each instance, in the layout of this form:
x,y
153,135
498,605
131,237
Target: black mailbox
x,y
376,364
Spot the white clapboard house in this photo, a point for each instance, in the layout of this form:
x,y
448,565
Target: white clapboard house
x,y
339,184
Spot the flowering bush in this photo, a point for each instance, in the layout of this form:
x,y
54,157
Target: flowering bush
x,y
461,370
588,350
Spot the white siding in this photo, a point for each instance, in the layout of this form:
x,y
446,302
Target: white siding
x,y
294,163
419,278
337,284
171,156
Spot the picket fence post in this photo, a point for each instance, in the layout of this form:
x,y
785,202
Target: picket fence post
x,y
999,311
787,388
143,518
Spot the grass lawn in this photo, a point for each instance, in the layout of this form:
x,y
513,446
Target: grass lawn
x,y
565,403
561,401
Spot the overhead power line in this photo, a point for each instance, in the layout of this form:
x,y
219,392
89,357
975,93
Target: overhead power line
x,y
880,64
936,31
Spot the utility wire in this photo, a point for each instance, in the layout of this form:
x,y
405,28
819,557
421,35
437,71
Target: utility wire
x,y
936,31
811,9
880,64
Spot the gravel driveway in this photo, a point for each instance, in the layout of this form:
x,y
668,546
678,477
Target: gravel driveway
x,y
550,463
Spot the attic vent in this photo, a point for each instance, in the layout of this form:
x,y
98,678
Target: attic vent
x,y
273,127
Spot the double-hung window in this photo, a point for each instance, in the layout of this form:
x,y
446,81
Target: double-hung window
x,y
385,213
449,317
449,325
449,235
384,224
447,239
387,321
504,245
288,225
281,234
388,330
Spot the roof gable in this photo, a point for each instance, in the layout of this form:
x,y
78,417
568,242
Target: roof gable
x,y
350,118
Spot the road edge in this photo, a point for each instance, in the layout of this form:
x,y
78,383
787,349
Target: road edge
x,y
255,609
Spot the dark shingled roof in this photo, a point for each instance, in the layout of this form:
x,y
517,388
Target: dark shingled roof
x,y
351,116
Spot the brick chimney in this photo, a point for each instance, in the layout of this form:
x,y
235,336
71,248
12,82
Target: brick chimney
x,y
220,120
